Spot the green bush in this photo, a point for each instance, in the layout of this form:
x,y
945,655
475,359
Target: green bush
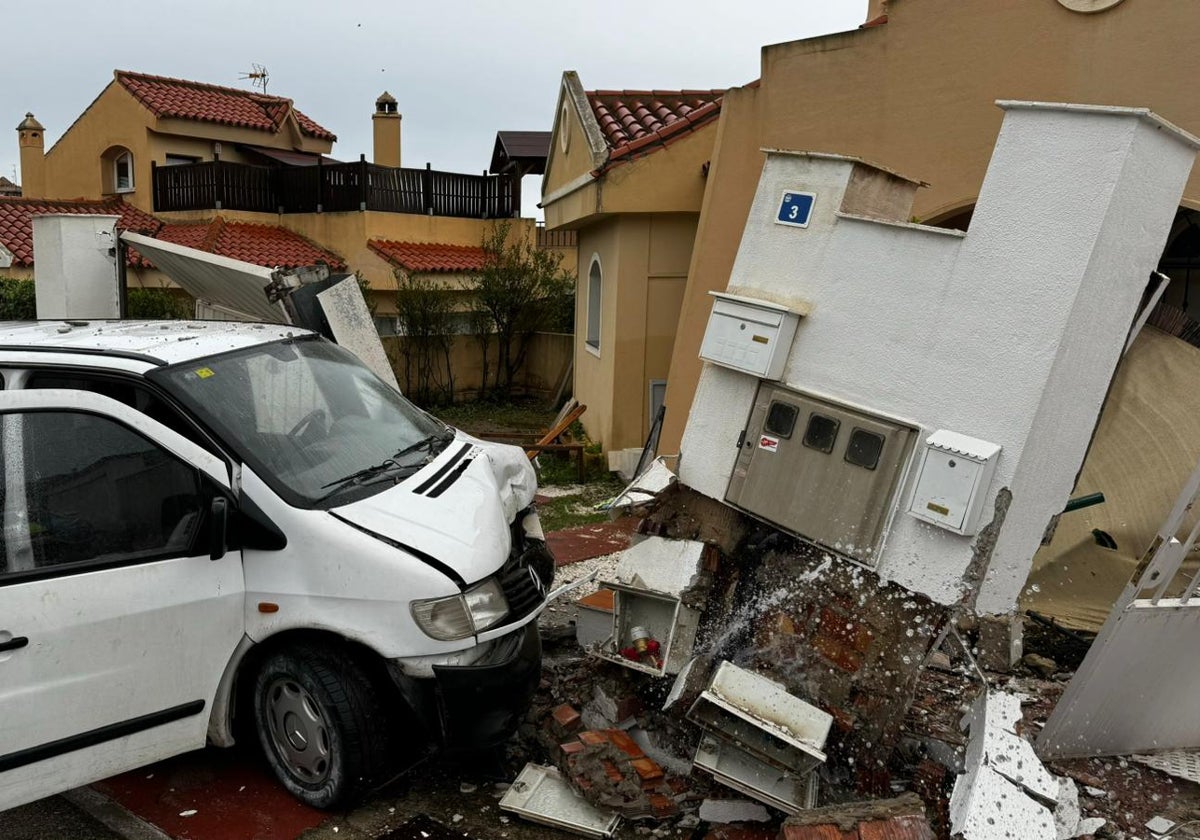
x,y
158,305
17,301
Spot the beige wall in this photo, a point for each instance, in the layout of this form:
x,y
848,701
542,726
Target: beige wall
x,y
73,165
545,364
644,260
917,95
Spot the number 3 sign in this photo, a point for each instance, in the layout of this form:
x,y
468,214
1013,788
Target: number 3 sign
x,y
795,209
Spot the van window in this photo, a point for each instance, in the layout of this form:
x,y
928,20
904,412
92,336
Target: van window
x,y
125,391
95,492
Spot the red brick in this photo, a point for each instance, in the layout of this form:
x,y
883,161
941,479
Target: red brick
x,y
663,806
816,832
625,744
572,747
567,718
646,769
593,738
612,771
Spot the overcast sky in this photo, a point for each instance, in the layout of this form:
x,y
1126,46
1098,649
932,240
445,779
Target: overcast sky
x,y
460,70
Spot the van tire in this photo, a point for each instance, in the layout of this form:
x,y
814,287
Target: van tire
x,y
320,724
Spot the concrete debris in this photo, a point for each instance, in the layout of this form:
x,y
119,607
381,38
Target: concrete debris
x,y
732,811
1066,813
1160,825
1096,792
1005,778
611,771
541,795
848,816
1043,666
670,567
644,488
1089,826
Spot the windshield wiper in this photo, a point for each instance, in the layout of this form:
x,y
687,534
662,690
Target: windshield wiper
x,y
427,442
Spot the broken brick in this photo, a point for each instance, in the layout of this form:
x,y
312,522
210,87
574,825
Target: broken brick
x,y
625,744
572,747
567,718
827,831
663,806
612,771
649,772
593,738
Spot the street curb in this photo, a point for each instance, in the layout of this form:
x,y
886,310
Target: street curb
x,y
113,816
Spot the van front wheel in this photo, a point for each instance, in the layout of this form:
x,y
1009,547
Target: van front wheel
x,y
315,712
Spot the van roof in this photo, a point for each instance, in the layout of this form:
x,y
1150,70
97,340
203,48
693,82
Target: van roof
x,y
165,342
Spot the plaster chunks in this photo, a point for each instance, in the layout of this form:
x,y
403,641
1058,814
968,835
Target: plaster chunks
x,y
1005,790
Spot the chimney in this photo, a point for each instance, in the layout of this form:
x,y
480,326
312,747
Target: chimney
x,y
33,159
386,121
876,9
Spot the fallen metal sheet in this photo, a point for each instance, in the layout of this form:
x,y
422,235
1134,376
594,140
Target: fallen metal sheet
x,y
541,795
353,327
746,774
986,806
1182,764
644,488
221,281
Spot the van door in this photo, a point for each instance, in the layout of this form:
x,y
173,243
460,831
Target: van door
x,y
115,624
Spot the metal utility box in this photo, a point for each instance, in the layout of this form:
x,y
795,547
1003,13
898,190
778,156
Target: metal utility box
x,y
761,740
953,476
746,774
668,621
749,335
826,472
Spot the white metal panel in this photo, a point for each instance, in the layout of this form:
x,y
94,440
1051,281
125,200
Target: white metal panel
x,y
75,274
952,479
222,281
541,795
353,327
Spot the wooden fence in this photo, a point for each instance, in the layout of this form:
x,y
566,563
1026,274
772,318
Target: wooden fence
x,y
332,188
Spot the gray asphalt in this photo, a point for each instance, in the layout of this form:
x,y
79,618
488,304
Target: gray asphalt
x,y
51,819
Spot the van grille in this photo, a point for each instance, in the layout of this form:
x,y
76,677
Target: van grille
x,y
523,593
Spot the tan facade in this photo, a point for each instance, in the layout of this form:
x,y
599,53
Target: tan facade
x,y
636,222
917,94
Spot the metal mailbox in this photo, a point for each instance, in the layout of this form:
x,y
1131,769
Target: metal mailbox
x,y
749,335
952,479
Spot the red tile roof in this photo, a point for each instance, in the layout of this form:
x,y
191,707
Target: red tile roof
x,y
266,245
16,220
427,258
167,97
643,120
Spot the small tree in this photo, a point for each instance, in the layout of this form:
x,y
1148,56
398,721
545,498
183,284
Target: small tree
x,y
521,289
17,300
425,315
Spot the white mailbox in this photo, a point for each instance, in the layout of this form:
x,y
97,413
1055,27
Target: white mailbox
x,y
952,480
753,336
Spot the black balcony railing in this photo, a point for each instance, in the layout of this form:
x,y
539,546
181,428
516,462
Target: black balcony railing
x,y
332,188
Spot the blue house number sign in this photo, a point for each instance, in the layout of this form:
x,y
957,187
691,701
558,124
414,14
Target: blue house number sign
x,y
795,209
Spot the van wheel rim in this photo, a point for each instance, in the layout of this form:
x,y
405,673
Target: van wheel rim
x,y
298,730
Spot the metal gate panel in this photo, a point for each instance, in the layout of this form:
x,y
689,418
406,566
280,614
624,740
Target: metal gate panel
x,y
1135,691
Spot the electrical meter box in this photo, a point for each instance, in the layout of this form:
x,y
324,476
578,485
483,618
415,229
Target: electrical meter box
x,y
953,477
749,335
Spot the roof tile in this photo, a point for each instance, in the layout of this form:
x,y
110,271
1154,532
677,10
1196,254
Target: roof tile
x,y
266,245
167,97
429,257
633,120
16,220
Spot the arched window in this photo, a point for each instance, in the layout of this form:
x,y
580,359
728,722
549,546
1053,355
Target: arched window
x,y
594,299
116,170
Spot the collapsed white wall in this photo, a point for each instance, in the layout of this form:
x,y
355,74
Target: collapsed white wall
x,y
1010,333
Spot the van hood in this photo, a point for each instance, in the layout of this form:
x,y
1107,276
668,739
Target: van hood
x,y
457,510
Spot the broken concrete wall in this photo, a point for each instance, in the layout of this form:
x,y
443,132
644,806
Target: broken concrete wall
x,y
1009,334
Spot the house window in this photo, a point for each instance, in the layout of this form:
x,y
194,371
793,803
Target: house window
x,y
181,160
123,172
594,300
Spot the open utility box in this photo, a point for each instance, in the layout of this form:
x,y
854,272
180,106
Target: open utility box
x,y
761,740
744,773
668,622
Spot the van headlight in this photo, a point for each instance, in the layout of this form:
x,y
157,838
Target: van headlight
x,y
449,619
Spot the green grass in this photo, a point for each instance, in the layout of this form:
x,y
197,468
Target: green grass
x,y
487,417
576,509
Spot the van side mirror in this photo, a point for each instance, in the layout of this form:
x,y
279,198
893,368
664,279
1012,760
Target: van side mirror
x,y
218,525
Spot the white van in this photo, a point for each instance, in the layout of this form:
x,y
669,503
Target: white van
x,y
203,517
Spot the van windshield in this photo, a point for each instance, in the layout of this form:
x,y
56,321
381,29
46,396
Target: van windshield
x,y
308,417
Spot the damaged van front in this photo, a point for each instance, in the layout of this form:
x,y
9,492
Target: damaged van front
x,y
406,537
215,526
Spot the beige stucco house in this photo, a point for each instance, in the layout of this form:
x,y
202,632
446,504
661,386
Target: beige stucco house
x,y
626,172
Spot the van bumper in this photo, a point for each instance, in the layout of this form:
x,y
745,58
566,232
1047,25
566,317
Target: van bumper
x,y
480,705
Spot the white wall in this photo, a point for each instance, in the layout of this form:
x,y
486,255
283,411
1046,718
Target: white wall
x,y
75,266
1009,334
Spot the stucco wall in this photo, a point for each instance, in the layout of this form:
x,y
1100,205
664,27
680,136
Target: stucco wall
x,y
916,95
1010,334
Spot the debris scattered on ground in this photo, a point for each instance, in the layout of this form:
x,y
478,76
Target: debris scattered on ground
x,y
732,811
541,795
